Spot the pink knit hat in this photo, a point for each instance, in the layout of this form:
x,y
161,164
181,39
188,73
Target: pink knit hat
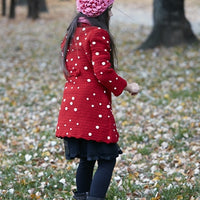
x,y
93,8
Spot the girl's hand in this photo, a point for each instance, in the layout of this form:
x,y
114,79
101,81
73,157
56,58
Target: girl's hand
x,y
132,88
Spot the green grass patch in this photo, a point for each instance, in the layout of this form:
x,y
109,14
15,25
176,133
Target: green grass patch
x,y
184,192
183,94
145,151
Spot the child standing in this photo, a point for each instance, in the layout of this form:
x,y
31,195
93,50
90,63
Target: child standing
x,y
85,121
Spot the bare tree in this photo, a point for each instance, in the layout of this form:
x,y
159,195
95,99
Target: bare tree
x,y
21,2
43,6
170,25
33,9
12,9
3,7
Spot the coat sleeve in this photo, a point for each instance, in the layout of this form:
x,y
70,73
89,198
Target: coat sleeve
x,y
100,50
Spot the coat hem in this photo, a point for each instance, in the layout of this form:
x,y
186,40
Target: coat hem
x,y
98,140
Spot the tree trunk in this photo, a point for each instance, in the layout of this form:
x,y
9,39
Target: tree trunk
x,y
170,25
33,9
35,14
29,9
21,2
3,7
43,6
12,9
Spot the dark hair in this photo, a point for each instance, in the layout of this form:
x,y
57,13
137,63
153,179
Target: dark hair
x,y
99,21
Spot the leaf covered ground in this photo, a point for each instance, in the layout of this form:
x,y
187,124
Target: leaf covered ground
x,y
159,129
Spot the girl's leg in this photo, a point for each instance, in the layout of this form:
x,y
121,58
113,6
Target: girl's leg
x,y
102,177
84,175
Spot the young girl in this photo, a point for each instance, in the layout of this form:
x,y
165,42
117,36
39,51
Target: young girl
x,y
85,121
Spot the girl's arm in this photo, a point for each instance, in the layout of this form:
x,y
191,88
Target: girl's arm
x,y
100,50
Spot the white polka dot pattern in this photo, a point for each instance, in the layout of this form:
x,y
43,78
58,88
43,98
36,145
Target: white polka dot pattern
x,y
86,110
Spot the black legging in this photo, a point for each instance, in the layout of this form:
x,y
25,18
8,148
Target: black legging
x,y
97,186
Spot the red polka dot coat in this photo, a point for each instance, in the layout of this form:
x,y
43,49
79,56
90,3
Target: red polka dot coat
x,y
86,110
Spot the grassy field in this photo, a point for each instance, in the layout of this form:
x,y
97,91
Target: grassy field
x,y
159,129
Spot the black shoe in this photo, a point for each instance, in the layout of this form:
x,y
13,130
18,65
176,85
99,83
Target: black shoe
x,y
95,198
80,196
